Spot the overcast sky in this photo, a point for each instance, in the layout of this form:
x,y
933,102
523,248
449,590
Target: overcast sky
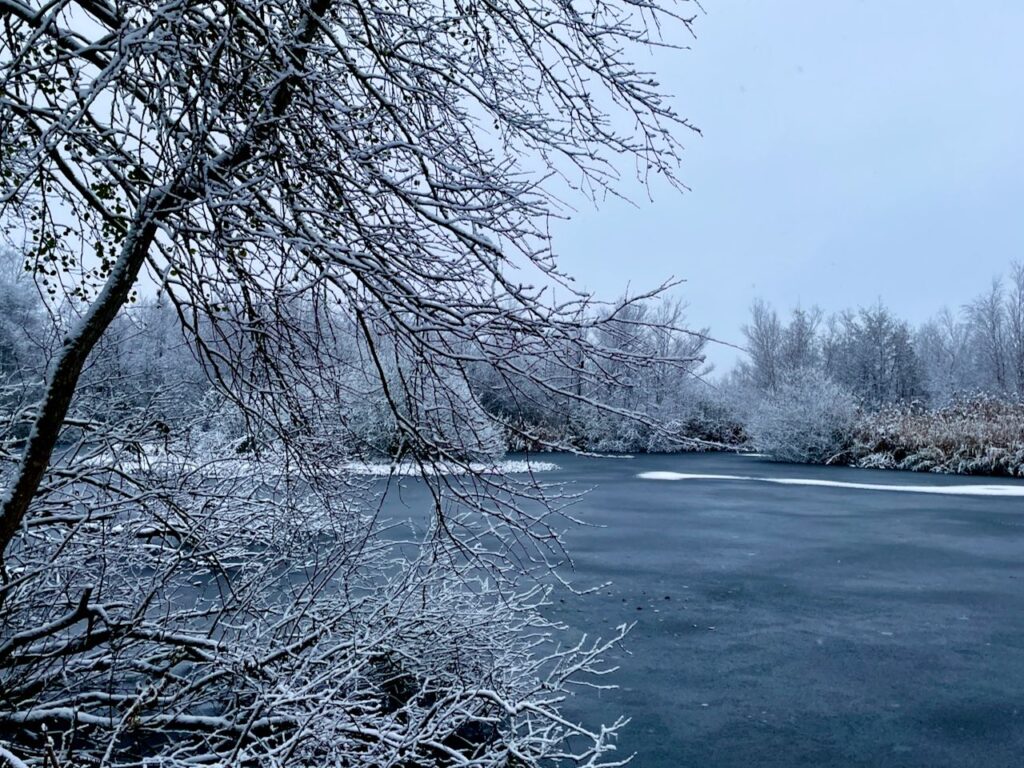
x,y
851,151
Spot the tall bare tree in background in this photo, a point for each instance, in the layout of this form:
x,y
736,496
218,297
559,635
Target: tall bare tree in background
x,y
988,317
764,336
1015,321
279,171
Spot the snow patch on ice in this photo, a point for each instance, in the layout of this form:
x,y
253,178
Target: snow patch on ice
x,y
237,467
406,468
681,476
942,490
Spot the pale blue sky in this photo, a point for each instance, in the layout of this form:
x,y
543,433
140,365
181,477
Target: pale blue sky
x,y
851,151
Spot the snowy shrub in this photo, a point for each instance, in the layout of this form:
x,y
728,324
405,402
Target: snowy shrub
x,y
219,430
698,419
710,415
877,460
808,418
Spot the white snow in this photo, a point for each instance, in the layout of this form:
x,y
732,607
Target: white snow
x,y
410,468
235,467
943,490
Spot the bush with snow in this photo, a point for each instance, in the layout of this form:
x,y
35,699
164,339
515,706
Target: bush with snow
x,y
808,418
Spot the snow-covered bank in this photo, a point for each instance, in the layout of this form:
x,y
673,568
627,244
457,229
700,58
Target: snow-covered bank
x,y
942,490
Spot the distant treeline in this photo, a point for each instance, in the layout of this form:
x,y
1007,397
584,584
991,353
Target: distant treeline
x,y
860,387
866,387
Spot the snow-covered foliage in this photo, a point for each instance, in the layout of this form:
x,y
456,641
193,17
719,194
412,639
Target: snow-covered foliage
x,y
808,418
979,435
269,624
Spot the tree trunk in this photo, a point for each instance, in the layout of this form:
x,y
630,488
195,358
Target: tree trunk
x,y
67,368
63,378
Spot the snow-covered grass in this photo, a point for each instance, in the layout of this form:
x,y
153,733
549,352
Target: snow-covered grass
x,y
981,435
978,435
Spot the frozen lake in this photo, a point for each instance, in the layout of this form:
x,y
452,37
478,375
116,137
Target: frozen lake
x,y
802,616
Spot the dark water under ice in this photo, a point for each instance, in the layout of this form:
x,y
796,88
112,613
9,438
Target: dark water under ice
x,y
799,625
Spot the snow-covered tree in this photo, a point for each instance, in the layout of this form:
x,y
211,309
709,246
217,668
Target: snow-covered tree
x,y
25,339
764,345
871,353
1015,325
799,348
779,351
944,350
277,172
988,322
